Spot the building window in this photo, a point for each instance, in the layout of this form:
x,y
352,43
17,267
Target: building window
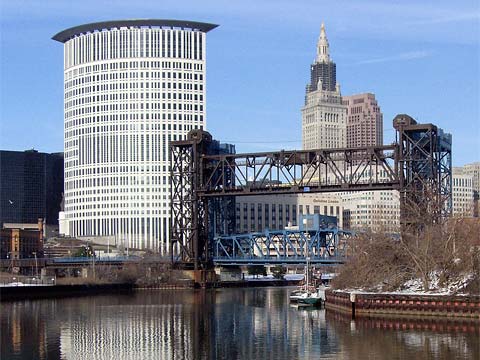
x,y
267,216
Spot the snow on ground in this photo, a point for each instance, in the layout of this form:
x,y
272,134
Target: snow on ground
x,y
17,284
291,277
294,277
415,287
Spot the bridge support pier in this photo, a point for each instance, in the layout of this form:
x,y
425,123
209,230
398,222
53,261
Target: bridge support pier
x,y
204,278
225,273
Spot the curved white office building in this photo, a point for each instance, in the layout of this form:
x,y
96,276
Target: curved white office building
x,y
130,87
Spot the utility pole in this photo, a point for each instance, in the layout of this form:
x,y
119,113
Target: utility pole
x,y
36,263
93,262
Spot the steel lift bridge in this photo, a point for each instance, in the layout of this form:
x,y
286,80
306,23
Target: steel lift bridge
x,y
418,165
326,246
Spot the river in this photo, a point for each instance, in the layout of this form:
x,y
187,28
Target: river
x,y
253,323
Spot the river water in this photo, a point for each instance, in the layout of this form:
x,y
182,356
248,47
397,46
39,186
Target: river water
x,y
254,323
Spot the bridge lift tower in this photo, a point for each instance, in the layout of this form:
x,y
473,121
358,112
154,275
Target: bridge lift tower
x,y
418,165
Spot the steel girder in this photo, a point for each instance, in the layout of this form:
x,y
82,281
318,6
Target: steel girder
x,y
345,169
425,164
189,217
285,246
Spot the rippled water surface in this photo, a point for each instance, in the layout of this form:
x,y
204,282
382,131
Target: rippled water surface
x,y
218,324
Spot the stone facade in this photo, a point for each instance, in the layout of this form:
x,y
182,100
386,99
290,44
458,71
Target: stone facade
x,y
324,116
364,120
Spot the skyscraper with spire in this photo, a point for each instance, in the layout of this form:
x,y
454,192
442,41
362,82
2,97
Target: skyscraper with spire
x,y
324,117
323,72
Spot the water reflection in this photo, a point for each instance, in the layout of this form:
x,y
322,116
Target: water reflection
x,y
411,338
217,324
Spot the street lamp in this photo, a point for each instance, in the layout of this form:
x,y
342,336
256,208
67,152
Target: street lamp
x,y
9,256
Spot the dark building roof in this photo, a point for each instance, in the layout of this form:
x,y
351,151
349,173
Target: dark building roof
x,y
67,34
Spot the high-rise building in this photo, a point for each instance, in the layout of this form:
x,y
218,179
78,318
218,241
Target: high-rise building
x,y
473,169
324,117
462,192
131,87
364,120
31,187
374,210
332,121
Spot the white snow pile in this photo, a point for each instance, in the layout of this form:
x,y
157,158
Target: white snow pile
x,y
415,287
292,277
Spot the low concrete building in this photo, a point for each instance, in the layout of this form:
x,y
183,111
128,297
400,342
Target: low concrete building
x,y
275,212
21,241
372,210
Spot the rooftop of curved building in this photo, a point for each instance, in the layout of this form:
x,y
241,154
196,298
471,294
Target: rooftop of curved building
x,y
70,33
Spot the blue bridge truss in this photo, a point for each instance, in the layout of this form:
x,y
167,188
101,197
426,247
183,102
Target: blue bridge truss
x,y
322,246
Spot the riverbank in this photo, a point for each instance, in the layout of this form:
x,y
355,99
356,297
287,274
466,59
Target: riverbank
x,y
356,303
15,293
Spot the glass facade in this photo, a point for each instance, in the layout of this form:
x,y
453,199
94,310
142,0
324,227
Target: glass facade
x,y
31,186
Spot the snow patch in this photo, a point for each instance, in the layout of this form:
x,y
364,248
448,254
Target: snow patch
x,y
415,287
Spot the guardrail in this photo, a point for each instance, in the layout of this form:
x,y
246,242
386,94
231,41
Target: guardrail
x,y
98,259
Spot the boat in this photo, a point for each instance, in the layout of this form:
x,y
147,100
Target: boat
x,y
310,300
297,294
308,295
316,298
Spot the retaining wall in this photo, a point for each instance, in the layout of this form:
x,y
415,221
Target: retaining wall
x,y
412,305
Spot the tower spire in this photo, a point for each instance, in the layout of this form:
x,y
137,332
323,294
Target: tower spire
x,y
323,54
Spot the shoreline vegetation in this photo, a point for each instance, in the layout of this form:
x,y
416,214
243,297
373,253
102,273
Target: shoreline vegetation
x,y
436,259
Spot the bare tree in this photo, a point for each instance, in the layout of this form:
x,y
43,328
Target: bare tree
x,y
448,251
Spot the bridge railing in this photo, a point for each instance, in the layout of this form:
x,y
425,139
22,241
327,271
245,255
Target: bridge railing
x,y
224,261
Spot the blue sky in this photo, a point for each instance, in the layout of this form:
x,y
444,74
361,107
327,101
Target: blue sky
x,y
420,58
